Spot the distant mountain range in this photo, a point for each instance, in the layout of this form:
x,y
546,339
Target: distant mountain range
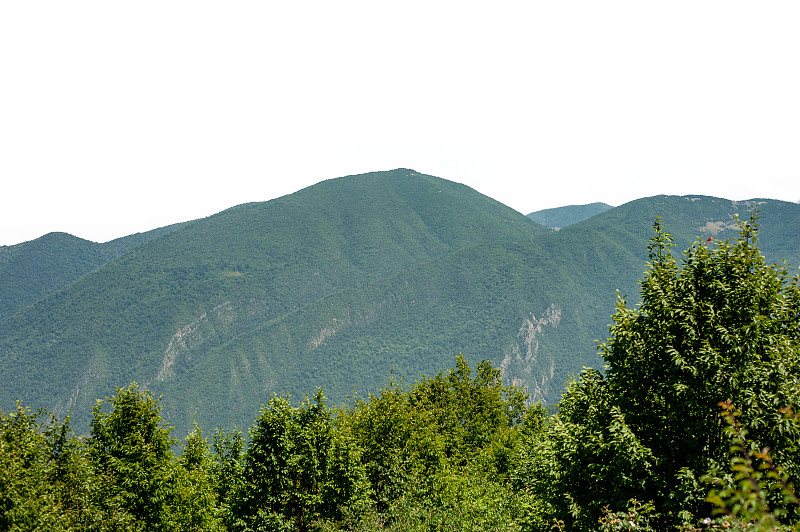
x,y
335,286
568,215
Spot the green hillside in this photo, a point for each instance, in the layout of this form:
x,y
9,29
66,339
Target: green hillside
x,y
33,270
333,284
526,306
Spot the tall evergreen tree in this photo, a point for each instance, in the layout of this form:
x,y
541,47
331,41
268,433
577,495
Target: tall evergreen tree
x,y
130,447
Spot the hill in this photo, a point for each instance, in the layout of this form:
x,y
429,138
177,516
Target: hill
x,y
335,285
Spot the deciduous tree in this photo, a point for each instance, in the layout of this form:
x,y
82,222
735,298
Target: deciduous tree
x,y
719,325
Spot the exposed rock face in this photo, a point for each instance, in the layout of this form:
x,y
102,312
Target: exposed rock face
x,y
523,364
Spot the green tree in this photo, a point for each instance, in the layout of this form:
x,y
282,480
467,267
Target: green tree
x,y
719,325
723,325
130,447
47,480
743,494
439,453
399,447
470,412
298,470
227,468
585,459
195,504
29,497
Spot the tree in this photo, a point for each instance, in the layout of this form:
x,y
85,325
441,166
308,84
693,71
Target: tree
x,y
723,325
30,498
754,480
227,468
195,502
47,481
720,325
130,447
470,411
587,458
297,469
398,442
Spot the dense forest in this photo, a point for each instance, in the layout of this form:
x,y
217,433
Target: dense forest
x,y
691,425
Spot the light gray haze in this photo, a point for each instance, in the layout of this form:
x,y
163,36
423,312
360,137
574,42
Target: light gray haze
x,y
119,117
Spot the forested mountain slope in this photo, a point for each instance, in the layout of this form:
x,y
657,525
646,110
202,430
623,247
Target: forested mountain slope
x,y
334,284
533,307
214,280
32,270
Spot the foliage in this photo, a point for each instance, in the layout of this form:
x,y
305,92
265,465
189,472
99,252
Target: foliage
x,y
587,458
637,517
400,445
227,468
756,491
297,469
464,501
49,481
131,449
439,453
196,505
470,411
723,326
636,448
435,455
33,487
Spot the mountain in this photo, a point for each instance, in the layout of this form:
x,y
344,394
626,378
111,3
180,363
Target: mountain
x,y
339,283
212,281
571,214
33,270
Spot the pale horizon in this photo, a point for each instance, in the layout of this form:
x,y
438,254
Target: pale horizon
x,y
122,118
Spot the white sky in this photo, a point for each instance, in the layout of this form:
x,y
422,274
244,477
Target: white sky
x,y
119,117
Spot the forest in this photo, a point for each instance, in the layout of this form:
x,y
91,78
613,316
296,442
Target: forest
x,y
691,424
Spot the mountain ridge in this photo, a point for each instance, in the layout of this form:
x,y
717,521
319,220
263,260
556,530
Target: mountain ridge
x,y
334,285
263,259
32,270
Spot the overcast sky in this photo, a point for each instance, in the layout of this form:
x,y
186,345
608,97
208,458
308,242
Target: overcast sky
x,y
120,117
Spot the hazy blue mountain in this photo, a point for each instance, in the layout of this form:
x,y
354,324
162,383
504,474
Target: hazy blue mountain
x,y
560,217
